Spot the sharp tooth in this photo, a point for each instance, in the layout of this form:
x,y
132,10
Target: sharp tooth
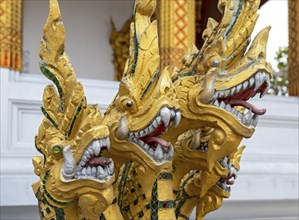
x,y
107,171
158,155
142,133
90,150
170,153
155,124
239,87
233,172
222,105
258,81
228,107
233,90
165,116
158,120
145,147
226,93
87,154
245,84
140,142
147,130
88,171
151,152
79,167
131,135
96,146
100,172
239,115
216,103
83,171
234,111
81,163
172,113
215,96
136,134
177,118
221,94
254,121
108,143
93,171
251,81
151,128
84,158
111,168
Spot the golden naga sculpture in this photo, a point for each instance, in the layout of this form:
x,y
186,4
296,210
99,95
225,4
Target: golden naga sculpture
x,y
75,179
172,139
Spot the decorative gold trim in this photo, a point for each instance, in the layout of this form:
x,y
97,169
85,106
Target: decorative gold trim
x,y
176,30
293,62
11,34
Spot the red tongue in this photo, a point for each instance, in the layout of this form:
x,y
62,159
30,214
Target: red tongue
x,y
247,105
158,140
98,161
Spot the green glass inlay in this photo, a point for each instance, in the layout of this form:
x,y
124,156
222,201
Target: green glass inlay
x,y
154,77
154,202
56,149
140,214
235,15
75,117
53,78
122,182
136,44
165,204
190,73
48,210
165,176
49,196
59,214
48,117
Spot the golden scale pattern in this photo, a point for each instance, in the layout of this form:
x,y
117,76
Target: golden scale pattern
x,y
193,147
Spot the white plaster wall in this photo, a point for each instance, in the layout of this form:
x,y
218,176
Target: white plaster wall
x,y
87,24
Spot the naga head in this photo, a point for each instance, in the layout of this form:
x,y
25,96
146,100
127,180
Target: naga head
x,y
223,75
72,135
146,104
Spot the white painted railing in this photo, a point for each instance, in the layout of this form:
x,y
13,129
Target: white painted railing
x,y
269,167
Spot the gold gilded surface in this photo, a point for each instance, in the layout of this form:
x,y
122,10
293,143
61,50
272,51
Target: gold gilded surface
x,y
174,141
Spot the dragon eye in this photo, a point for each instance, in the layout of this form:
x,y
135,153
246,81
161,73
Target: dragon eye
x,y
56,149
129,103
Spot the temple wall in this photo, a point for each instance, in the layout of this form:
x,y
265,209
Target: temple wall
x,y
87,25
266,187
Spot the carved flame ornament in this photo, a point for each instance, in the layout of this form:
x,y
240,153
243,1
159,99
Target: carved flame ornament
x,y
169,142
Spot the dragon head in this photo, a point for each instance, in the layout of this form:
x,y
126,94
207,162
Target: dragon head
x,y
146,104
72,135
222,76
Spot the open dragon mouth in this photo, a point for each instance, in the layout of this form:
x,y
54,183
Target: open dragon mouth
x,y
149,138
239,95
93,165
225,182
